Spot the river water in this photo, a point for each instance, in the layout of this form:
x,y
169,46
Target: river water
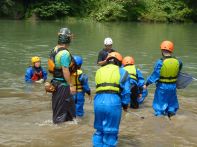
x,y
25,110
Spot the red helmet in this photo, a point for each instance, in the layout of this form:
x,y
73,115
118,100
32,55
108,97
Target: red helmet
x,y
128,60
167,45
116,55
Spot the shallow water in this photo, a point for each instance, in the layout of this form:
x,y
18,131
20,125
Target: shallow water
x,y
25,110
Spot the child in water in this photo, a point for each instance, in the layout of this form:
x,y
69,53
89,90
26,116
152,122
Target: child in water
x,y
80,81
35,73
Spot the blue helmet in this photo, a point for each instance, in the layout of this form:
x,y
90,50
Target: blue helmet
x,y
78,60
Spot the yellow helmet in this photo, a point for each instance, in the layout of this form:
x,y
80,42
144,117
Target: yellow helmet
x,y
35,59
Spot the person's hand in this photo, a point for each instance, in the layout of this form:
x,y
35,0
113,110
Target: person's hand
x,y
125,107
40,81
140,95
90,98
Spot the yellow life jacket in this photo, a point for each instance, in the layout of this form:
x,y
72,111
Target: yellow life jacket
x,y
108,79
132,71
75,80
169,70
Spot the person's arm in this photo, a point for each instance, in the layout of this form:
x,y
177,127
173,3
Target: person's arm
x,y
101,58
125,88
66,74
141,81
154,77
65,62
44,74
28,75
83,78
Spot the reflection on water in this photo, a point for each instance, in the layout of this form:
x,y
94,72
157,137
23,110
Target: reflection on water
x,y
25,109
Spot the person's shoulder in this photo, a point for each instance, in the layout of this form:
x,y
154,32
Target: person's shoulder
x,y
29,69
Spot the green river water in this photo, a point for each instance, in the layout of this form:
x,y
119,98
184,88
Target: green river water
x,y
25,110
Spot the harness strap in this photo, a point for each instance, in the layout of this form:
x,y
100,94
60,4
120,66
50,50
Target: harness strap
x,y
107,84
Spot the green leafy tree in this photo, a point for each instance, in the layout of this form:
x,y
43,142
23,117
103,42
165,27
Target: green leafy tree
x,y
51,9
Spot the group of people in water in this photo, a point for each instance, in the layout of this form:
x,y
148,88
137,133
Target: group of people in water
x,y
119,85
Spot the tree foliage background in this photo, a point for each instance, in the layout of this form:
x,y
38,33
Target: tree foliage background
x,y
102,10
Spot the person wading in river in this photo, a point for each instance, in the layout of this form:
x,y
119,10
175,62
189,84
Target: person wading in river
x,y
165,75
104,52
136,79
35,73
112,93
61,65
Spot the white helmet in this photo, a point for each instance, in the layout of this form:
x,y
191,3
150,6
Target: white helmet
x,y
108,41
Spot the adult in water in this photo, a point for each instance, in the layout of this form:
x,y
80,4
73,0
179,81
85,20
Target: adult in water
x,y
165,75
112,93
35,73
63,104
105,51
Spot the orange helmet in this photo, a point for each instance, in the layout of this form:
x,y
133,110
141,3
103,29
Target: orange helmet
x,y
167,45
128,60
116,55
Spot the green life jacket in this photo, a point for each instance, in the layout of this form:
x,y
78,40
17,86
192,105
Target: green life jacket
x,y
169,70
131,69
108,79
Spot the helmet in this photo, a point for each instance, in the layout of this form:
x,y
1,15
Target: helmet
x,y
128,60
64,36
35,59
78,60
108,41
167,45
115,55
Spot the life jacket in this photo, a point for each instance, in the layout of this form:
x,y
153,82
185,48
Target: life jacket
x,y
37,75
108,79
131,69
57,71
75,80
169,70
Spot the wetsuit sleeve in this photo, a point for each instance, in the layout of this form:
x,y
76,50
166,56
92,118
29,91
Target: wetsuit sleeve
x,y
65,60
125,87
180,65
83,78
44,74
28,75
154,77
140,78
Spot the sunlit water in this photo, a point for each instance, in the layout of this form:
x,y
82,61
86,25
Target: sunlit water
x,y
25,110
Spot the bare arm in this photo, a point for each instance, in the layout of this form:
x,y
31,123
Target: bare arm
x,y
102,62
66,74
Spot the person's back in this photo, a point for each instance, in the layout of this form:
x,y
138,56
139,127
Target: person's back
x,y
165,76
112,93
136,79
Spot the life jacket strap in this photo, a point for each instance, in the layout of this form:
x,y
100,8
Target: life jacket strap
x,y
108,84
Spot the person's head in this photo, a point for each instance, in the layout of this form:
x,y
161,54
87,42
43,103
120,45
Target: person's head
x,y
78,61
36,61
167,48
108,43
128,60
114,58
64,36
